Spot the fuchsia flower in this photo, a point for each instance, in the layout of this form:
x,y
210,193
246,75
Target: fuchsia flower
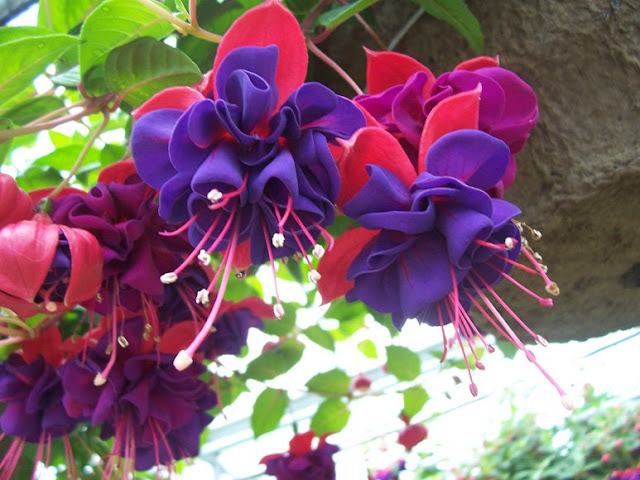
x,y
402,93
47,268
303,461
252,163
15,204
432,241
155,413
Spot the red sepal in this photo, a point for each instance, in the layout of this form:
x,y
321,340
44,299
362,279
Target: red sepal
x,y
48,344
257,306
334,264
37,195
178,337
301,443
85,278
118,172
15,204
27,250
370,146
270,24
457,112
479,62
179,98
386,69
242,257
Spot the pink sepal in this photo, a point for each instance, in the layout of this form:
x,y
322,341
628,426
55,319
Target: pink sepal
x,y
179,98
387,69
85,277
15,204
479,62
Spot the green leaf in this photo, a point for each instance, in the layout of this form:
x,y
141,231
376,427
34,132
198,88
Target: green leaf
x,y
62,15
114,23
145,66
268,411
70,78
281,326
334,17
507,348
457,14
276,361
320,336
403,363
331,417
9,34
5,147
368,348
38,177
227,389
414,399
23,59
33,108
63,158
331,383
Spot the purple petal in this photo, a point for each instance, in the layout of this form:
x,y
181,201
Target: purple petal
x,y
472,156
150,138
407,108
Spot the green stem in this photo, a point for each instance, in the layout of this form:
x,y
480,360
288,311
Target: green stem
x,y
181,25
76,166
326,59
192,13
55,113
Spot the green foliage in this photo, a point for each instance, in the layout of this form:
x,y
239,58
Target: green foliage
x,y
403,363
331,417
523,450
414,399
332,18
141,68
457,14
275,361
368,348
332,383
268,410
62,15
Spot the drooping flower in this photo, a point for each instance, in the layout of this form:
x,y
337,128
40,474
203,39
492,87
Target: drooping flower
x,y
155,413
402,93
302,460
46,268
250,166
432,243
31,392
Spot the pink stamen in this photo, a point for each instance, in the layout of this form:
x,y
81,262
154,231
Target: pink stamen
x,y
518,265
444,336
224,231
288,210
517,340
494,246
180,230
38,457
68,453
470,323
303,228
302,251
326,235
101,377
545,302
198,247
214,280
47,460
505,306
206,329
549,284
272,262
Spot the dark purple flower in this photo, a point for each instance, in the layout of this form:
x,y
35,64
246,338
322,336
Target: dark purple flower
x,y
303,462
155,412
247,166
630,474
232,328
31,394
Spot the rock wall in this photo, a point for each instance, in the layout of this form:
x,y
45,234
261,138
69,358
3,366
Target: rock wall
x,y
579,176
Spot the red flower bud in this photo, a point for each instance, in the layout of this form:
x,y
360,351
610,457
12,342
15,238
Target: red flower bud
x,y
412,435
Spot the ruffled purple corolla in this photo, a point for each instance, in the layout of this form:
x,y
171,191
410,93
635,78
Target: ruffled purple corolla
x,y
432,243
232,329
247,166
155,413
124,218
31,393
508,106
302,461
433,234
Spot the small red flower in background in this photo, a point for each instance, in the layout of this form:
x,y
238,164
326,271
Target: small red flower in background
x,y
302,461
412,435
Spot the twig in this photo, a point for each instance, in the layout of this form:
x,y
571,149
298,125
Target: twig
x,y
55,113
322,56
407,26
192,13
181,25
76,166
315,13
368,28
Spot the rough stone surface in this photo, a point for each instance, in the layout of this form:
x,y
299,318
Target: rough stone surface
x,y
579,176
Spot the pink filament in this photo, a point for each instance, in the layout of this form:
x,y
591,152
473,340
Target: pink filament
x,y
272,262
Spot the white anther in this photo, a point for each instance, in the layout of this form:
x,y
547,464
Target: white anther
x,y
51,307
204,257
168,278
122,341
214,195
277,240
509,243
318,251
202,297
182,360
99,380
567,402
278,310
314,276
553,289
542,341
536,234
